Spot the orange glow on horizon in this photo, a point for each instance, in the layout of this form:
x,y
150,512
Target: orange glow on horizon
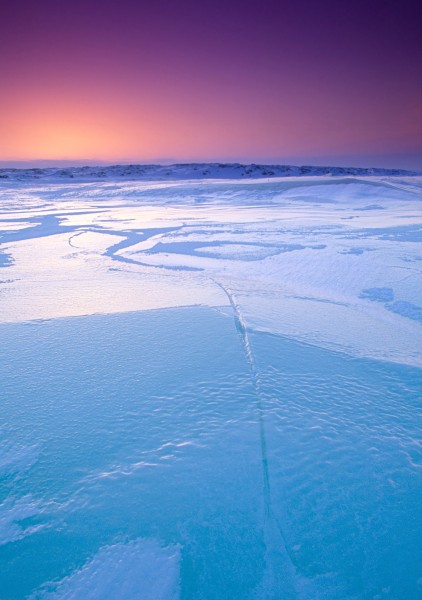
x,y
142,81
110,128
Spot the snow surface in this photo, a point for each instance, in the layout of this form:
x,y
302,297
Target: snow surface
x,y
137,570
211,383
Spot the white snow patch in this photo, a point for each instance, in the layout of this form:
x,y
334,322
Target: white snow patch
x,y
138,570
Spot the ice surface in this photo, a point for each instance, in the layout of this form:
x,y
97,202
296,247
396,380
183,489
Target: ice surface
x,y
210,388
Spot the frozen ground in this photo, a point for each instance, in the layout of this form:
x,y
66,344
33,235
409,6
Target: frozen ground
x,y
210,388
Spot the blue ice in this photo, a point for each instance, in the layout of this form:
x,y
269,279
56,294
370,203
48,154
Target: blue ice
x,y
210,389
291,476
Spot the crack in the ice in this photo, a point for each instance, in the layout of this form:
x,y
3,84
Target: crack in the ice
x,y
74,236
247,347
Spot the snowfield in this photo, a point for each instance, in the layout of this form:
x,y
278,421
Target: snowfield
x,y
211,383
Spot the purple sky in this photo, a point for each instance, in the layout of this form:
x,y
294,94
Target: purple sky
x,y
334,82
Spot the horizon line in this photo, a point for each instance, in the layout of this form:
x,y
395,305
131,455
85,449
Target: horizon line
x,y
88,162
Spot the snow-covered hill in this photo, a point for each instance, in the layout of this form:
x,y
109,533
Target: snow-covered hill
x,y
190,171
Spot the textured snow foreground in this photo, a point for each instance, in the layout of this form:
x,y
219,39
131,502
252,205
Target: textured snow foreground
x,y
211,389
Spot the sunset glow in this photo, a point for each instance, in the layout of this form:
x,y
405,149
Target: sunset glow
x,y
210,81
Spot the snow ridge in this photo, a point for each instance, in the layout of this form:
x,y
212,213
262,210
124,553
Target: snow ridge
x,y
189,171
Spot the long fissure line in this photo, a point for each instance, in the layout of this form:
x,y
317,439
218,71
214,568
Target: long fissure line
x,y
246,343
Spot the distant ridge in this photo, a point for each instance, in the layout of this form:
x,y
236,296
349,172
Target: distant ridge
x,y
190,171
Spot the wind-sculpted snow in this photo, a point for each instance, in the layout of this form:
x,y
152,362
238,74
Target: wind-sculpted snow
x,y
210,388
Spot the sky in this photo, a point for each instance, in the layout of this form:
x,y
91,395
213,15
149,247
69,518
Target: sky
x,y
302,82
